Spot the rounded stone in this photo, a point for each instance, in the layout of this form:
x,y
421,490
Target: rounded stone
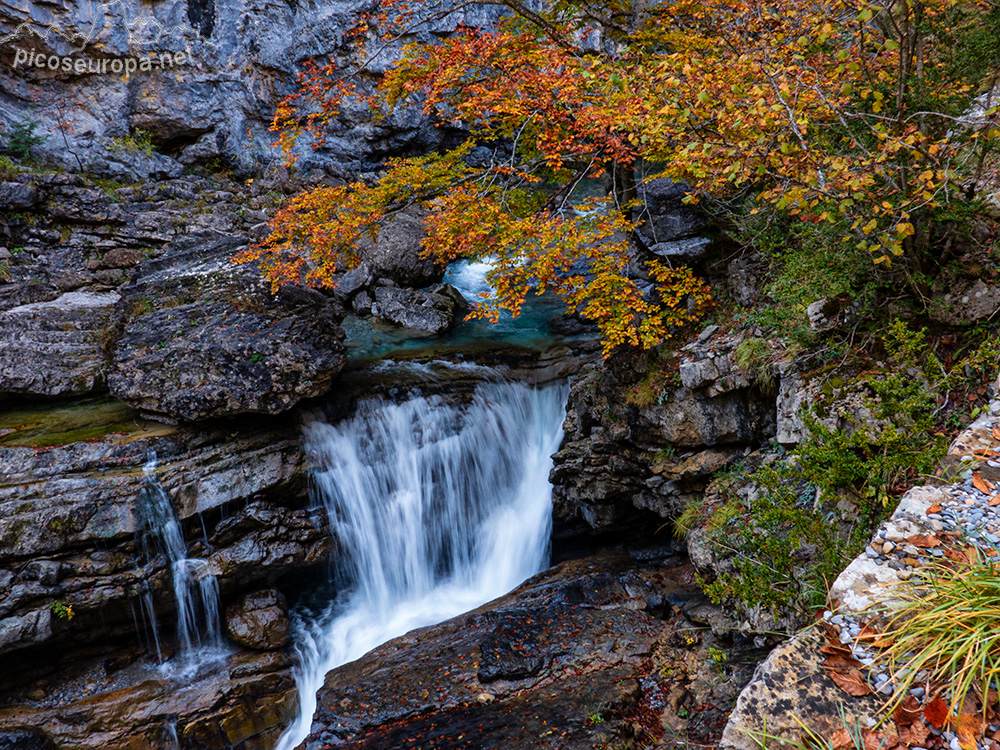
x,y
259,620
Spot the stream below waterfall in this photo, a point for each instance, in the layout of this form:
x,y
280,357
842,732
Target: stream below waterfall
x,y
437,508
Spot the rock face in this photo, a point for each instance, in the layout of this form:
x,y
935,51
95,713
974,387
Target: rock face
x,y
215,102
84,578
78,507
423,312
578,657
204,338
64,257
259,620
619,459
55,347
243,702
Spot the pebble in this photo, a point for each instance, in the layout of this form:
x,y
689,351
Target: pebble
x,y
917,692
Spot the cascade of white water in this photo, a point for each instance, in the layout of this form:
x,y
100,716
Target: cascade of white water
x,y
196,591
437,508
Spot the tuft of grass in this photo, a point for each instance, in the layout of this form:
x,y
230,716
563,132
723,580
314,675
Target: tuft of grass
x,y
947,625
753,356
690,517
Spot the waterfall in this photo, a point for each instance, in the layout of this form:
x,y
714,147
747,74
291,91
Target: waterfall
x,y
196,591
437,509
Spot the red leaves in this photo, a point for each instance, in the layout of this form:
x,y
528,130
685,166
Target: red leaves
x,y
851,682
844,669
924,540
936,712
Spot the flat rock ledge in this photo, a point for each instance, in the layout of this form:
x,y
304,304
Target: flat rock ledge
x,y
791,693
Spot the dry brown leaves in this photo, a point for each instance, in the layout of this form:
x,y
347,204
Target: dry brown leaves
x,y
981,484
924,540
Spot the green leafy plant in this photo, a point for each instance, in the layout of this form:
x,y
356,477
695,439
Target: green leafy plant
x,y
62,610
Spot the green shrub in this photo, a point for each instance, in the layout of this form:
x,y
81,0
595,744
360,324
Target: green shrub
x,y
754,357
21,138
817,508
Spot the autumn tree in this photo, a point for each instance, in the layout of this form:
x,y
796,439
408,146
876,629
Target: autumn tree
x,y
846,112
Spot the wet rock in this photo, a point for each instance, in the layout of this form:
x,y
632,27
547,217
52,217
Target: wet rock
x,y
78,506
397,253
558,662
243,702
205,338
422,312
259,620
25,738
55,347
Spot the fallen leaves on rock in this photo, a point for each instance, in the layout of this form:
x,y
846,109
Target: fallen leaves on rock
x,y
924,540
983,485
936,712
851,682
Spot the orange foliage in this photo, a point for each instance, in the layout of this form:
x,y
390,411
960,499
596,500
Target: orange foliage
x,y
805,107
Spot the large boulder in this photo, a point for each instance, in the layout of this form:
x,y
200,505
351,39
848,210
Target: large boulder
x,y
55,347
397,252
422,312
205,338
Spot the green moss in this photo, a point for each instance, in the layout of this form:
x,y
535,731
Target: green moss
x,y
88,419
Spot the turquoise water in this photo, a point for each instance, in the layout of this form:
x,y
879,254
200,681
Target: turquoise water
x,y
531,329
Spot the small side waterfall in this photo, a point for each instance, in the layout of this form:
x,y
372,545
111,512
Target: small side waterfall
x,y
437,508
196,592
